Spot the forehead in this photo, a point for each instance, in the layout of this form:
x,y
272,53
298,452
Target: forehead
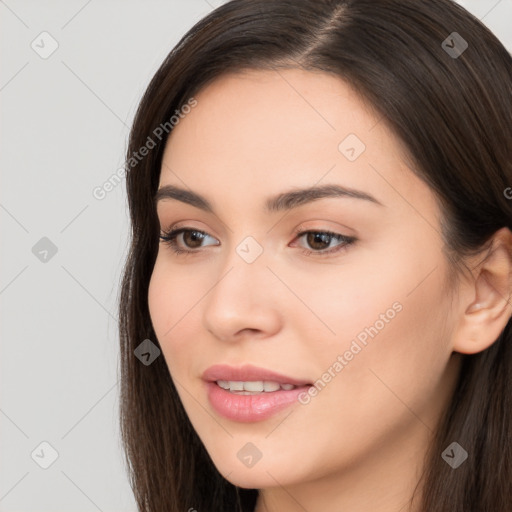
x,y
268,129
284,105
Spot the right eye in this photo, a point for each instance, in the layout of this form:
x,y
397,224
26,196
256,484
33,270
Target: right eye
x,y
189,237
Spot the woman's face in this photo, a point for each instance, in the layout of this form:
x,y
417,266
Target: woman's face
x,y
369,322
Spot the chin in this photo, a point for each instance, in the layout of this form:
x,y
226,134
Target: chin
x,y
252,478
264,474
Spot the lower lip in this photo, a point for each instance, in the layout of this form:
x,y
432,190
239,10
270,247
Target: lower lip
x,y
249,408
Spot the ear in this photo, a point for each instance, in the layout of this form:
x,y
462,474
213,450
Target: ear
x,y
486,305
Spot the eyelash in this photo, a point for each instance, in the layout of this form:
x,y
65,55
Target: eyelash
x,y
169,238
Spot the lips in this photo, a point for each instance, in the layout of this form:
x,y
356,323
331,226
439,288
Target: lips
x,y
249,373
247,406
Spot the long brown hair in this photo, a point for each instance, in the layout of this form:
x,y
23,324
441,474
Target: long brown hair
x,y
453,112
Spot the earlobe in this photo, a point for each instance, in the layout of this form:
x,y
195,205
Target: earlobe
x,y
489,308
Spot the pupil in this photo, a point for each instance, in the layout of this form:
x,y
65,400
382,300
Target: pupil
x,y
193,235
313,238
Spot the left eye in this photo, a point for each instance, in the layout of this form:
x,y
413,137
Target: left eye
x,y
318,240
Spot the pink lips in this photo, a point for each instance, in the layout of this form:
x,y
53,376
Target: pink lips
x,y
250,408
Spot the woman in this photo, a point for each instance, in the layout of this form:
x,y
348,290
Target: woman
x,y
318,285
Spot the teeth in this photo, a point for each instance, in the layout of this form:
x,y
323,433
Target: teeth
x,y
271,386
252,387
236,386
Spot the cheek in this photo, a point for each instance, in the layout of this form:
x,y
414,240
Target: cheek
x,y
387,320
173,303
395,350
384,385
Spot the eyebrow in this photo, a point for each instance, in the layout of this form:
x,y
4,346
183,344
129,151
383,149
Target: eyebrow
x,y
283,201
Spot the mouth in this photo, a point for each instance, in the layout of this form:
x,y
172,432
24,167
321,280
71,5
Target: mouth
x,y
249,393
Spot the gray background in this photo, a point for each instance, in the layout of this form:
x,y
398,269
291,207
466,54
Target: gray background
x,y
64,127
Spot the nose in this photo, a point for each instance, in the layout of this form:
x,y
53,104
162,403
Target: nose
x,y
243,301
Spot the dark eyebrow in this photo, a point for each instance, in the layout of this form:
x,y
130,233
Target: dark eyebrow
x,y
295,198
280,202
185,196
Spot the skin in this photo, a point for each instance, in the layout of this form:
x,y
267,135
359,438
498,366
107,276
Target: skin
x,y
359,444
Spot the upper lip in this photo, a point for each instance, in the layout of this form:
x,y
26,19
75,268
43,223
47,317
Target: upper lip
x,y
246,373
